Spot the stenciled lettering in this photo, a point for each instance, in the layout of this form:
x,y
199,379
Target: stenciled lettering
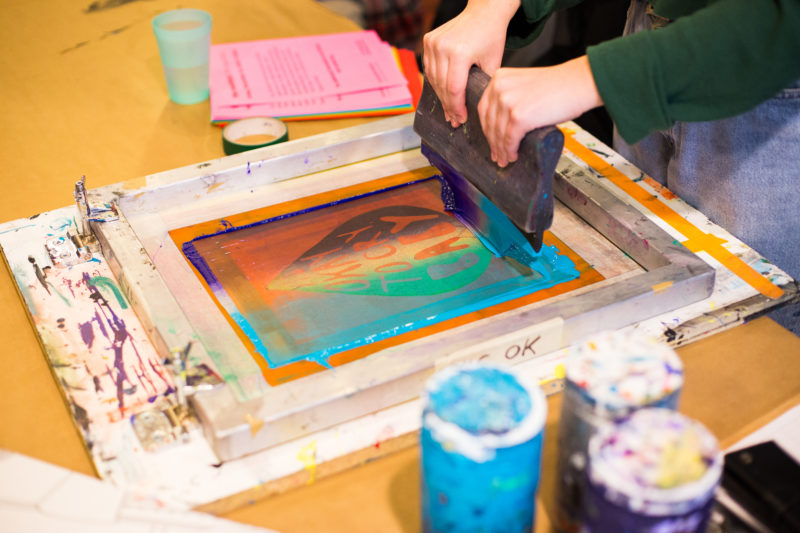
x,y
402,222
385,282
397,266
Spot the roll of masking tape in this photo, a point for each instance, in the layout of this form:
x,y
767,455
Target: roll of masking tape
x,y
250,133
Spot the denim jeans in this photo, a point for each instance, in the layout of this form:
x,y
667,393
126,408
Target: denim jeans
x,y
742,172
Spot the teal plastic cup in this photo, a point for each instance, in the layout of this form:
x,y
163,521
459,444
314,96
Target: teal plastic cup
x,y
184,39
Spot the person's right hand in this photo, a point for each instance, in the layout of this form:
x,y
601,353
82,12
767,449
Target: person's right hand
x,y
476,36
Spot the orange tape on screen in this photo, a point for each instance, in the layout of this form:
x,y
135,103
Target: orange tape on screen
x,y
696,239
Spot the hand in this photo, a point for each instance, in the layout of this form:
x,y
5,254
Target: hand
x,y
475,37
518,100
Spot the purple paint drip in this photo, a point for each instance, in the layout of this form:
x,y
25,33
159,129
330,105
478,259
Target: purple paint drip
x,y
117,326
100,325
199,262
87,333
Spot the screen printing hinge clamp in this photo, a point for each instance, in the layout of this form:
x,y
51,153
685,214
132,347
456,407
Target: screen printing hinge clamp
x,y
91,211
79,244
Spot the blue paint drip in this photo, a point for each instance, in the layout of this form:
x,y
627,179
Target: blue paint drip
x,y
251,334
460,494
60,225
58,293
485,220
12,230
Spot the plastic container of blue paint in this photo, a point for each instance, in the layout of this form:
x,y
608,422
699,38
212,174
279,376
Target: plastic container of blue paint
x,y
481,449
608,377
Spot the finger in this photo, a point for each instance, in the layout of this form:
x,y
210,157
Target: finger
x,y
497,122
510,99
455,90
483,118
511,141
487,113
499,136
514,129
509,136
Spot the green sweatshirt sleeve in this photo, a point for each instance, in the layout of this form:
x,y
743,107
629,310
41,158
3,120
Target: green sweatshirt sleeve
x,y
714,63
528,22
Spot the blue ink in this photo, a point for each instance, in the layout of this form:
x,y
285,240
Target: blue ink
x,y
484,219
60,225
12,230
251,333
484,400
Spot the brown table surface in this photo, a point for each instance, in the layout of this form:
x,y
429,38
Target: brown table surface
x,y
83,94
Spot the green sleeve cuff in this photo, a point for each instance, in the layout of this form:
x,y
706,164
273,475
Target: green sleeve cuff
x,y
630,84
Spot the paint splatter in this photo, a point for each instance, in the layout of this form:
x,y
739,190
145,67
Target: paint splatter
x,y
39,274
108,285
308,457
115,31
87,333
94,7
254,423
74,47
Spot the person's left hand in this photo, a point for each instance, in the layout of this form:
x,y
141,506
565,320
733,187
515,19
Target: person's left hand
x,y
518,100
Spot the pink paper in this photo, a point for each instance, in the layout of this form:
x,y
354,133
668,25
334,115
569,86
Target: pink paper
x,y
301,68
314,105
